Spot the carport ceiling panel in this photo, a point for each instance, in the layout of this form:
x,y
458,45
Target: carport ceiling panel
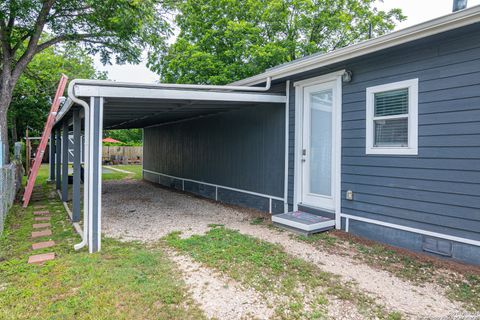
x,y
149,120
139,116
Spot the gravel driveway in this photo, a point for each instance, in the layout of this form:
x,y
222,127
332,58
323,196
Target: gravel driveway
x,y
138,210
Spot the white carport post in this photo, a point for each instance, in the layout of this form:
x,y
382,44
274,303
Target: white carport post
x,y
95,174
76,166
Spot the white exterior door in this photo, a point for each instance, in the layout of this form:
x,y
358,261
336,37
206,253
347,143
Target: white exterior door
x,y
318,151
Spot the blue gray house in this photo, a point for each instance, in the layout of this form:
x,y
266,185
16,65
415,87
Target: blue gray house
x,y
380,139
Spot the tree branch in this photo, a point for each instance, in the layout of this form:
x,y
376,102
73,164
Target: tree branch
x,y
35,37
64,37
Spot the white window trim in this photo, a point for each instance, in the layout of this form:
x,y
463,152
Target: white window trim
x,y
412,148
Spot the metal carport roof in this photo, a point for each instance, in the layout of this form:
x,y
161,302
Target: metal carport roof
x,y
98,105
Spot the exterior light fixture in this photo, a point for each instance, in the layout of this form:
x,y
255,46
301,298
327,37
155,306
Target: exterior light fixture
x,y
347,76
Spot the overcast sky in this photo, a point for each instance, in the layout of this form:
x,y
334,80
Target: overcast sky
x,y
416,11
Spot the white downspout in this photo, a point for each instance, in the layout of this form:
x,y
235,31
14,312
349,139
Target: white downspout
x,y
86,151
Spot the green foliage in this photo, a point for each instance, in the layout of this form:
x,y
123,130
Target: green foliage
x,y
128,137
225,40
32,96
119,29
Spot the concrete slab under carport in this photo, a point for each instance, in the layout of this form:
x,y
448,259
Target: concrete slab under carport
x,y
110,105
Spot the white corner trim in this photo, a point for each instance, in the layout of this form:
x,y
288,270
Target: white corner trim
x,y
410,229
412,149
287,115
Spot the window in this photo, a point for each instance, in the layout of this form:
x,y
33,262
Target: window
x,y
392,118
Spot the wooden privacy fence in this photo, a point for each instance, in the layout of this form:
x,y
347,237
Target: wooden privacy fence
x,y
122,155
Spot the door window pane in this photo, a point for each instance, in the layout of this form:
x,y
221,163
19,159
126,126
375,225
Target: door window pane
x,y
321,142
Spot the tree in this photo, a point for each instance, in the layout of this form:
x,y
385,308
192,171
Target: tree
x,y
225,40
32,95
126,136
114,29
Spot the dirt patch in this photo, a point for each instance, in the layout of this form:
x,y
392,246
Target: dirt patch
x,y
218,296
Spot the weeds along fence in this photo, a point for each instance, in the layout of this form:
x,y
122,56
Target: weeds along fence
x,y
10,181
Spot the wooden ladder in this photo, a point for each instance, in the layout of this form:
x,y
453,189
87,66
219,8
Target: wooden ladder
x,y
44,141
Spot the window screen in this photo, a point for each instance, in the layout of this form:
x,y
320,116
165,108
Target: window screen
x,y
391,118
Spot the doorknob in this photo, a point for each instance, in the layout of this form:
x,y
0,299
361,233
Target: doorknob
x,y
304,152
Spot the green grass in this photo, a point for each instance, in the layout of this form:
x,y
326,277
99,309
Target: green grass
x,y
123,281
270,270
115,175
466,290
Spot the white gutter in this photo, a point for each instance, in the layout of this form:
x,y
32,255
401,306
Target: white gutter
x,y
108,83
449,22
73,99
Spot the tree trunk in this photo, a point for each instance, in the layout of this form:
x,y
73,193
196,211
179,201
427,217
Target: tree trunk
x,y
14,130
5,99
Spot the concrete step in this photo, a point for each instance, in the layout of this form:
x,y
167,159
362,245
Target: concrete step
x,y
41,225
303,223
45,218
41,258
43,233
43,245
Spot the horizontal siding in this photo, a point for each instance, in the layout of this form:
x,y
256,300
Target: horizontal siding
x,y
239,149
438,190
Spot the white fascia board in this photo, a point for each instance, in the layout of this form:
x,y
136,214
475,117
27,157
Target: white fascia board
x,y
86,90
446,23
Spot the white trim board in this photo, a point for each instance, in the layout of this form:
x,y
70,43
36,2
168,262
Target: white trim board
x,y
412,116
85,90
287,116
408,229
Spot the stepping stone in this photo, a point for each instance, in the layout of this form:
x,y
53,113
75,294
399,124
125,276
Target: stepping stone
x,y
39,207
40,213
41,225
43,245
41,218
41,258
43,233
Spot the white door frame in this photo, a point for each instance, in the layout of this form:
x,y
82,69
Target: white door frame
x,y
337,138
